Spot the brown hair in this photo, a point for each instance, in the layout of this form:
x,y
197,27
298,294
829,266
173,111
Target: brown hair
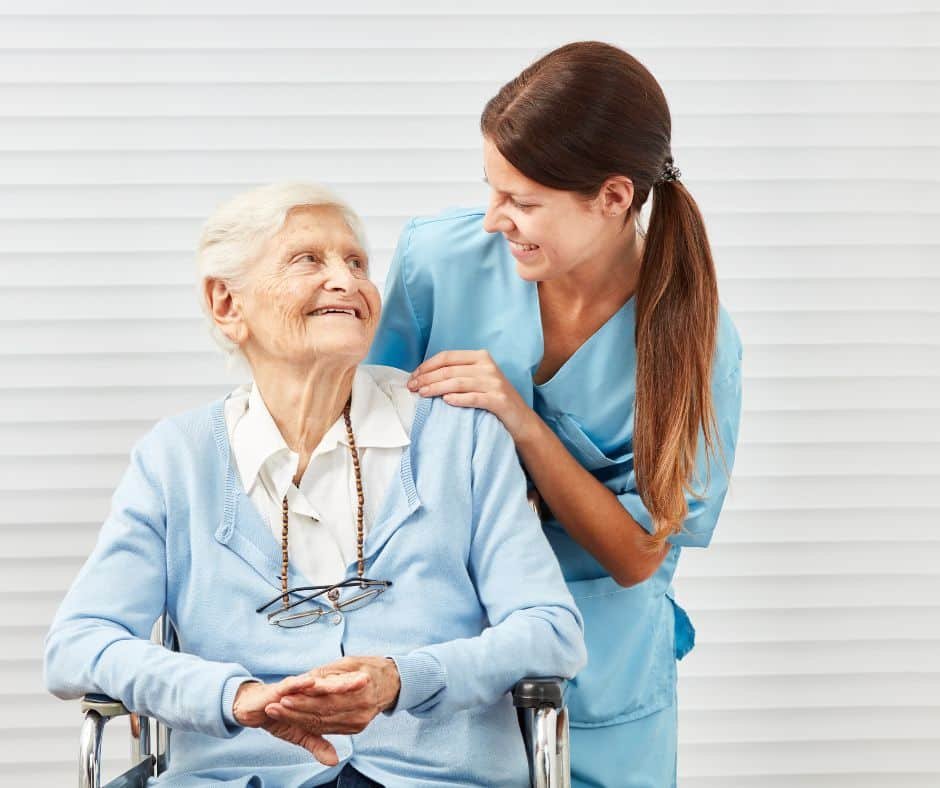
x,y
577,116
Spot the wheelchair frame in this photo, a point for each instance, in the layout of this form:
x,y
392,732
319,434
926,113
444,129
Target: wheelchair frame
x,y
539,704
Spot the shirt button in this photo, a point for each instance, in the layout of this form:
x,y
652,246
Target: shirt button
x,y
336,618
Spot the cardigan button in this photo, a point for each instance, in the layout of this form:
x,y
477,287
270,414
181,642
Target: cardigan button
x,y
336,618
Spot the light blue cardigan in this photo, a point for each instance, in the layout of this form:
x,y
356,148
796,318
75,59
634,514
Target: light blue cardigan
x,y
477,602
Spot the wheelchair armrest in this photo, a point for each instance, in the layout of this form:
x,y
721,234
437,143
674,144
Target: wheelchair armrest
x,y
97,709
105,706
537,693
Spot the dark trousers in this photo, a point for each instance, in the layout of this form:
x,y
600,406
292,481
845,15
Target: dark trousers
x,y
350,778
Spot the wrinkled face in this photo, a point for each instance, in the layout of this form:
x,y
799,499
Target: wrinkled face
x,y
550,231
308,294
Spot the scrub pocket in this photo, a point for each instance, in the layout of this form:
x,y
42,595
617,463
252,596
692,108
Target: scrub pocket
x,y
631,670
684,631
584,450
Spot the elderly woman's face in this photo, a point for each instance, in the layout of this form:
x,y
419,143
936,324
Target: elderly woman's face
x,y
309,294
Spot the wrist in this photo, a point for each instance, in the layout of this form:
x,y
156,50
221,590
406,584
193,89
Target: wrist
x,y
527,431
239,712
393,682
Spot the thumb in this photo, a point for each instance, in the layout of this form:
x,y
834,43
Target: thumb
x,y
313,743
321,749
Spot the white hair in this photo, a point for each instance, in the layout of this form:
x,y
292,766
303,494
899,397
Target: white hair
x,y
233,236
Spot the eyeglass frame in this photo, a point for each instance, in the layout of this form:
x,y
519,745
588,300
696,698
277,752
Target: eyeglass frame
x,y
335,606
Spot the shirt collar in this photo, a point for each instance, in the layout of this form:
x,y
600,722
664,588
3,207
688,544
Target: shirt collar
x,y
374,417
258,442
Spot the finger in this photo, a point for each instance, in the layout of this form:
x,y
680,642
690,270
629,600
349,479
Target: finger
x,y
338,683
442,373
473,399
453,386
447,358
325,705
341,665
314,686
288,686
342,722
333,685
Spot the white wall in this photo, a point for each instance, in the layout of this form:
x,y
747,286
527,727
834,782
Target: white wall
x,y
809,133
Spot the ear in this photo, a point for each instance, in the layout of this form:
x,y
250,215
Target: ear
x,y
615,196
225,308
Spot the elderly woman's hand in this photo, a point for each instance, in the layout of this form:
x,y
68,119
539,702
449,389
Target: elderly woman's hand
x,y
471,379
345,696
252,698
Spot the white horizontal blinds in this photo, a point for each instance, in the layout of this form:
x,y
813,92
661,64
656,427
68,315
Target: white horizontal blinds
x,y
808,135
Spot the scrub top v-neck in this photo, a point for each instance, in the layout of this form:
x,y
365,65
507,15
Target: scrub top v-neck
x,y
453,286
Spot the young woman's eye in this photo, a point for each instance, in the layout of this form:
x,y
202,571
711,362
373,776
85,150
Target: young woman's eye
x,y
522,206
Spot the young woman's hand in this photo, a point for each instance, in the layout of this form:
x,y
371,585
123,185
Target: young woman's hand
x,y
471,379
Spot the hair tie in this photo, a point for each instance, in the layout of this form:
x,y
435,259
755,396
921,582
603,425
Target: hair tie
x,y
670,172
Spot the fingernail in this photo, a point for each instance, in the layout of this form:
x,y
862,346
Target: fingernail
x,y
287,702
412,384
276,713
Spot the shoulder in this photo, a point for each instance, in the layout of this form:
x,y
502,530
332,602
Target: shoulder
x,y
190,432
467,218
430,243
448,426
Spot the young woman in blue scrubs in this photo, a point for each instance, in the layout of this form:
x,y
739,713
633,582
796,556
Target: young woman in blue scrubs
x,y
605,352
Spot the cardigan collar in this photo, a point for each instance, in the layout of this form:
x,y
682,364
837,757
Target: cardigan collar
x,y
243,530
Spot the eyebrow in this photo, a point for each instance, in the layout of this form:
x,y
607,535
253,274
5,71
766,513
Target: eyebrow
x,y
514,195
293,251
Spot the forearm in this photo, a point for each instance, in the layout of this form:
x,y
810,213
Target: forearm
x,y
181,690
589,512
471,672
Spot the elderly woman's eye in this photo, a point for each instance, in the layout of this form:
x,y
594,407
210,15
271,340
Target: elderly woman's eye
x,y
307,258
355,262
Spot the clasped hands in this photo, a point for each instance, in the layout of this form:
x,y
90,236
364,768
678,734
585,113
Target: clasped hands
x,y
341,697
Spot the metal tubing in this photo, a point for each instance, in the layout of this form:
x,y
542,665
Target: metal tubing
x,y
140,737
545,749
89,750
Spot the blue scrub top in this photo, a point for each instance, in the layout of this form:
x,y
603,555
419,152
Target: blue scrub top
x,y
453,286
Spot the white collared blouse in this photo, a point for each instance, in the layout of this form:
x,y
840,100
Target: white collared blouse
x,y
322,509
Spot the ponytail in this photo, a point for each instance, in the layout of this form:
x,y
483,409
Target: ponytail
x,y
676,332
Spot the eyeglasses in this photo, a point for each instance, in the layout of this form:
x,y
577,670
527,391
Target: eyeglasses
x,y
331,601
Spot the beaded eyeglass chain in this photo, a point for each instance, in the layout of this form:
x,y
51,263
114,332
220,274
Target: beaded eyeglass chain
x,y
360,500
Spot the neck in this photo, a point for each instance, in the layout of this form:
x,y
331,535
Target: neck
x,y
610,277
304,401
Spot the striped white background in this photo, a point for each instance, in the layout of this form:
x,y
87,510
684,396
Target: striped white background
x,y
807,130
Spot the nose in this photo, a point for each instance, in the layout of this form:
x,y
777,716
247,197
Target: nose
x,y
495,221
340,279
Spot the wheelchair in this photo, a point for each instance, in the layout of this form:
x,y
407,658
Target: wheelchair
x,y
539,703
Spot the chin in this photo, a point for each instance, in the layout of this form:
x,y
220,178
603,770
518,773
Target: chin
x,y
352,353
530,273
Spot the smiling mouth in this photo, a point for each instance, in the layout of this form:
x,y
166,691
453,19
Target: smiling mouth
x,y
330,310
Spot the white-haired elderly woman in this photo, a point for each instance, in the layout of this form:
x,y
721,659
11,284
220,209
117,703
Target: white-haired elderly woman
x,y
354,573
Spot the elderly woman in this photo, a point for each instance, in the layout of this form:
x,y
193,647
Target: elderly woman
x,y
354,573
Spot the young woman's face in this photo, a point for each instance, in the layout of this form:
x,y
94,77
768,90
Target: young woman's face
x,y
550,231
